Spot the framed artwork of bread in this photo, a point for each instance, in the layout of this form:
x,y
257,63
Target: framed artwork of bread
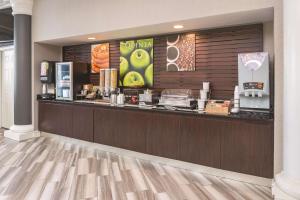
x,y
100,57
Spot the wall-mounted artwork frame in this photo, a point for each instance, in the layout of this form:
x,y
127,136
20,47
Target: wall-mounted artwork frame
x,y
99,57
181,52
136,63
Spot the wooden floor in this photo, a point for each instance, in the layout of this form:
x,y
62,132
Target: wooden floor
x,y
46,168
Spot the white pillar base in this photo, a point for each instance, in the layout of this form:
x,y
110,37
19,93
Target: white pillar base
x,y
285,188
21,132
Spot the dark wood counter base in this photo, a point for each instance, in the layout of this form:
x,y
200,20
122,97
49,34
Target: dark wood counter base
x,y
234,144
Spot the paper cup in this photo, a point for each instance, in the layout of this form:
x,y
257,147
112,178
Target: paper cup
x,y
203,94
236,101
206,86
201,104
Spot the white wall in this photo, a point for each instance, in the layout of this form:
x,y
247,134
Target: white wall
x,y
273,45
278,68
268,38
6,86
65,18
54,19
41,52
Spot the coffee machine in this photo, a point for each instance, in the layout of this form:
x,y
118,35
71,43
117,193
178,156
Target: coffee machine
x,y
254,83
47,77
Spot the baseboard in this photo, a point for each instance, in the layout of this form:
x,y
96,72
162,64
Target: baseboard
x,y
279,194
18,136
175,163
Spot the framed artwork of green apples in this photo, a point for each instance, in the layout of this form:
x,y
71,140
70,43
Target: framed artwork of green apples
x,y
136,63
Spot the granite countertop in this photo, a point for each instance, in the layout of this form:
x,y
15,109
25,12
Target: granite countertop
x,y
243,115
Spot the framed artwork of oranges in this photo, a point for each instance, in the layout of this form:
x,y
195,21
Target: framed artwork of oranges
x,y
100,57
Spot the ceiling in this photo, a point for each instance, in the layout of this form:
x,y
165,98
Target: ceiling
x,y
224,20
6,25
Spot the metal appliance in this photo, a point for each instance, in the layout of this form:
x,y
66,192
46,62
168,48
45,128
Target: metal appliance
x,y
47,78
145,98
177,98
254,86
70,78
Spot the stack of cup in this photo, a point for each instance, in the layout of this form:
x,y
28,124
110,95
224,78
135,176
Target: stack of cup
x,y
201,105
206,86
236,107
204,92
203,96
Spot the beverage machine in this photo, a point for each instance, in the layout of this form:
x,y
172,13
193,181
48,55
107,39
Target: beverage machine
x,y
47,78
70,78
254,83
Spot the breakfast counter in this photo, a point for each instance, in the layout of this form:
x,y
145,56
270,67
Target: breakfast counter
x,y
243,115
204,139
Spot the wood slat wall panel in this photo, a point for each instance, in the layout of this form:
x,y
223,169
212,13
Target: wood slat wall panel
x,y
216,59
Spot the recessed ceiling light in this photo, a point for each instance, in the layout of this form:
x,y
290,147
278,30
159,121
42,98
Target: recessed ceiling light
x,y
91,38
178,26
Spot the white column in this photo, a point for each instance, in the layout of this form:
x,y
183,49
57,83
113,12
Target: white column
x,y
21,7
287,183
23,128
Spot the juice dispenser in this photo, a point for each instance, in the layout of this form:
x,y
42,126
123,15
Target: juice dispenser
x,y
254,86
47,77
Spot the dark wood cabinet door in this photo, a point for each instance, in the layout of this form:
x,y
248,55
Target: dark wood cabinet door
x,y
200,141
105,126
163,138
230,144
83,123
248,147
133,127
56,118
121,128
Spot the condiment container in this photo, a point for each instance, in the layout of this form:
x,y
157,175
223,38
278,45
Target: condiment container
x,y
218,107
120,99
113,99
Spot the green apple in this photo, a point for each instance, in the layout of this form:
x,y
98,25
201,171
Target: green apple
x,y
149,75
124,66
133,79
140,59
127,47
146,44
